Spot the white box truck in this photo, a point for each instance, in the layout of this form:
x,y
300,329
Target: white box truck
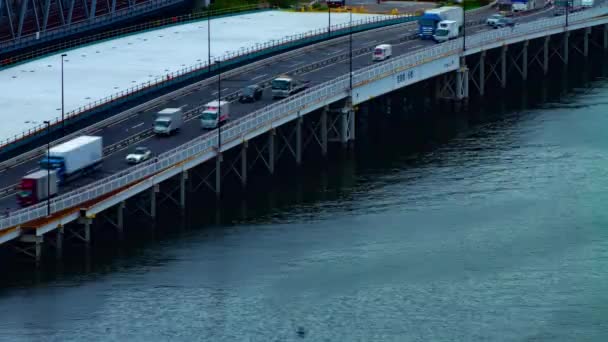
x,y
168,121
37,187
73,158
209,116
284,86
587,3
382,52
446,30
427,24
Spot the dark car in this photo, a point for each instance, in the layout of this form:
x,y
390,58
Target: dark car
x,y
251,93
503,22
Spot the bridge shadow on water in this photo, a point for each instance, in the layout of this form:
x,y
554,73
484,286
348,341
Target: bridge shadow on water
x,y
408,135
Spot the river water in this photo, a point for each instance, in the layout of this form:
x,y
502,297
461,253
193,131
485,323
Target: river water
x,y
484,225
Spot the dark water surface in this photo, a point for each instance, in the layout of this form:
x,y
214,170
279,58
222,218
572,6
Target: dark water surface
x,y
493,228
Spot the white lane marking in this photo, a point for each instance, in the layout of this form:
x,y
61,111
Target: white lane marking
x,y
138,125
299,63
32,170
214,93
258,77
225,89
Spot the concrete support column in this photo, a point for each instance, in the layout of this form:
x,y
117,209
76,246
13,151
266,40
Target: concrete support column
x,y
244,147
352,122
218,174
182,189
324,131
271,150
503,67
120,220
153,192
299,141
586,41
438,80
566,49
524,66
605,36
546,55
344,127
482,73
59,243
87,230
38,242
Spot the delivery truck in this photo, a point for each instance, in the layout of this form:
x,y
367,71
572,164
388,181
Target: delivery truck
x,y
429,21
570,5
284,86
446,30
37,187
168,121
215,113
74,158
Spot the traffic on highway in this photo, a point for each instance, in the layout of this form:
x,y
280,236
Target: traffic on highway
x,y
164,126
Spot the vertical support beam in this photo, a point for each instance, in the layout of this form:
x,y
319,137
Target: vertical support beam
x,y
45,13
38,249
244,147
182,189
9,15
59,243
503,65
566,49
87,230
299,141
218,174
153,192
344,127
605,37
93,9
586,41
482,73
546,55
271,149
351,121
459,90
120,220
324,131
524,66
22,17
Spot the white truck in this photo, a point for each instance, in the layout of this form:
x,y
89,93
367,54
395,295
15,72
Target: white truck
x,y
587,3
427,24
37,187
168,121
446,30
523,5
284,86
215,113
73,158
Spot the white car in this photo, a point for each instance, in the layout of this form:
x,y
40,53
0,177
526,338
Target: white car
x,y
493,19
139,155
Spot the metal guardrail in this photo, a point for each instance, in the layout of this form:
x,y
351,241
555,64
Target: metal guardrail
x,y
226,60
266,116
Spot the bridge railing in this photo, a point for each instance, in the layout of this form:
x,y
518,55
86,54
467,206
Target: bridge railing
x,y
270,114
200,68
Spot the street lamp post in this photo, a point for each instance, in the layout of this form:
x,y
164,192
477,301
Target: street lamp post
x,y
208,40
350,48
48,168
464,26
62,98
219,109
567,10
328,19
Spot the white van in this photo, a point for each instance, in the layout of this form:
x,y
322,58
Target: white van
x,y
382,52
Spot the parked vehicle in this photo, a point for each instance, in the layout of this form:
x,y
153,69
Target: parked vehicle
x,y
168,121
587,3
570,5
446,30
214,114
139,155
427,24
284,86
493,19
73,158
37,187
251,93
382,52
504,22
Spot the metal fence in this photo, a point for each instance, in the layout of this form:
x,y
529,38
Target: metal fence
x,y
229,59
267,115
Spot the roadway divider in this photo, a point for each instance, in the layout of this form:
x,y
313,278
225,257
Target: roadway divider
x,y
227,61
